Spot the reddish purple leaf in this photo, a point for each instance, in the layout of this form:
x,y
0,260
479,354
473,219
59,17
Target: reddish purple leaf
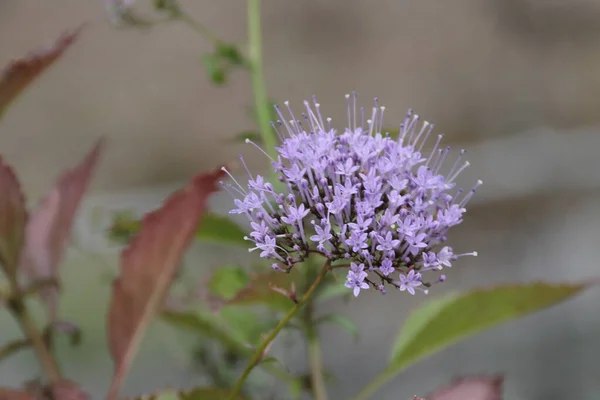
x,y
13,219
48,230
66,390
10,394
148,267
471,388
17,75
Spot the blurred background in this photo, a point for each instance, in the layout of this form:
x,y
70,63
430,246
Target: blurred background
x,y
516,82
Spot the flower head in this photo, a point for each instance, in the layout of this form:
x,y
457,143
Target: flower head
x,y
364,197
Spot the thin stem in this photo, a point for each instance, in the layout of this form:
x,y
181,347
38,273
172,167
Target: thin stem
x,y
314,356
17,307
374,385
259,86
197,26
259,353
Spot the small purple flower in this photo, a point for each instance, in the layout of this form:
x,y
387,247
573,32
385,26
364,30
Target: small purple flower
x,y
356,281
409,281
372,200
386,267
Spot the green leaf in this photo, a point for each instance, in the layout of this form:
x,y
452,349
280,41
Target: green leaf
x,y
194,394
220,229
230,53
445,321
226,281
244,322
332,290
442,322
206,326
259,291
214,69
344,322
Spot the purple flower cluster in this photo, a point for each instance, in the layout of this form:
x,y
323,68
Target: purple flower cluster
x,y
360,198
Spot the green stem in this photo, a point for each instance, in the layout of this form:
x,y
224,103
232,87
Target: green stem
x,y
374,385
314,356
259,353
18,309
197,26
263,113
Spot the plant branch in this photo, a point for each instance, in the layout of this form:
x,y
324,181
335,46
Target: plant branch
x,y
197,26
317,382
18,309
258,81
10,348
259,353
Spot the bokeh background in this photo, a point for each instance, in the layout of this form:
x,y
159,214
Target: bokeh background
x,y
516,82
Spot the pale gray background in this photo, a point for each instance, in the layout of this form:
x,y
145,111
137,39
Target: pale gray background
x,y
517,82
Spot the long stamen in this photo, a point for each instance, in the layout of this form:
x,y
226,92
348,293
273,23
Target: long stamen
x,y
354,102
462,153
349,112
233,179
259,148
431,126
437,143
469,195
461,169
245,166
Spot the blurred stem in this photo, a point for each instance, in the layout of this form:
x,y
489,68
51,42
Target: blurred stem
x,y
197,26
258,81
18,309
374,385
12,347
317,382
260,351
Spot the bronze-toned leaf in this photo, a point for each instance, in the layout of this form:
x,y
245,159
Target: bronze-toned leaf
x,y
10,394
66,390
49,228
147,269
19,74
472,388
13,219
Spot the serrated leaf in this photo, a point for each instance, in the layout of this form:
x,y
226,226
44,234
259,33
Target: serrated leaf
x,y
148,267
226,281
471,388
220,229
20,73
207,393
344,322
49,228
13,219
